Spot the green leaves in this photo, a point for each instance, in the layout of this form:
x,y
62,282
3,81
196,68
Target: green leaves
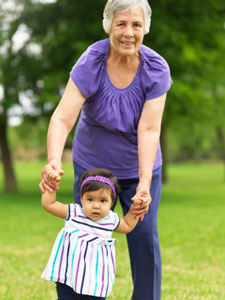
x,y
190,36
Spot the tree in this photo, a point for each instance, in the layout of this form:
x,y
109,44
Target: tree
x,y
9,95
185,34
17,76
190,36
39,69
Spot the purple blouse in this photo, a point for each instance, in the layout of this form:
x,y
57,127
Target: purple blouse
x,y
106,133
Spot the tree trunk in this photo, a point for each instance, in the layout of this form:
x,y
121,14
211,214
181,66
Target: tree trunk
x,y
10,184
163,148
221,138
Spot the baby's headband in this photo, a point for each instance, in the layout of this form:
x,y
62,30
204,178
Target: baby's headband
x,y
101,179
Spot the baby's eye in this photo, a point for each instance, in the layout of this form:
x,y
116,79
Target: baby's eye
x,y
89,199
103,201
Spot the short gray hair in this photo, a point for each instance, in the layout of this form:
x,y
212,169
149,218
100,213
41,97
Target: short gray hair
x,y
113,6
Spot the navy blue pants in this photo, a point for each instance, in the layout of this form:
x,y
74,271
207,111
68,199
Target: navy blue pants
x,y
67,293
143,241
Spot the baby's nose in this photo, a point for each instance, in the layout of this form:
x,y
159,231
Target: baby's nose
x,y
96,204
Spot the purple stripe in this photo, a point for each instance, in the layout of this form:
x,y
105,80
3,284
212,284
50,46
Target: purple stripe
x,y
89,284
67,258
82,217
106,224
84,272
83,277
75,213
113,263
103,272
107,253
78,264
80,236
61,258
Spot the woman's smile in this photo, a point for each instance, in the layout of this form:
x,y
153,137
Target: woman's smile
x,y
127,43
127,32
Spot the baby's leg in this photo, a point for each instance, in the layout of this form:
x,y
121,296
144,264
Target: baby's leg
x,y
65,292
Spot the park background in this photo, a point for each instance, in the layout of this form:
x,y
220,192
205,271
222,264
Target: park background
x,y
39,43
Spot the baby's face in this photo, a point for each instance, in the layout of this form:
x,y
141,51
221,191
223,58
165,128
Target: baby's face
x,y
96,204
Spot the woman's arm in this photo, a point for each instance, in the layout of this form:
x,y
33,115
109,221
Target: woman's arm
x,y
61,123
128,223
149,128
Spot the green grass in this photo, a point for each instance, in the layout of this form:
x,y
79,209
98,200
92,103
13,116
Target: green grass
x,y
191,227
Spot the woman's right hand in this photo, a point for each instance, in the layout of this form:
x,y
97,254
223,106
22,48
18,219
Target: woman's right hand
x,y
47,183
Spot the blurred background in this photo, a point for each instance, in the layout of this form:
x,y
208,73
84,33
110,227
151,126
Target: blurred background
x,y
41,40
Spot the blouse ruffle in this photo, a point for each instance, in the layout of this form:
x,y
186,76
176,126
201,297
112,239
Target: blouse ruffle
x,y
115,109
111,114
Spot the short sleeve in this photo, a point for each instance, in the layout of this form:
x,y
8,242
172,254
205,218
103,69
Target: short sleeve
x,y
73,209
156,79
115,220
87,72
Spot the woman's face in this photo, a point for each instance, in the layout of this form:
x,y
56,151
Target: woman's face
x,y
127,32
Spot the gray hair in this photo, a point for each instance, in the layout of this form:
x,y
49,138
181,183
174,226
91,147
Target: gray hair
x,y
113,6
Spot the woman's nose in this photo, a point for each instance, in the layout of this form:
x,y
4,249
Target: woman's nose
x,y
128,31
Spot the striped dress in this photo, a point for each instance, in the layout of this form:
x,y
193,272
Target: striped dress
x,y
83,255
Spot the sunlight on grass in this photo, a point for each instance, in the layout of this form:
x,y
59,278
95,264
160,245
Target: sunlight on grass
x,y
191,227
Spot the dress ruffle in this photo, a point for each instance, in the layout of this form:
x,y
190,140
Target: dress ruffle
x,y
83,255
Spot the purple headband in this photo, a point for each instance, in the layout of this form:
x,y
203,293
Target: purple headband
x,y
101,179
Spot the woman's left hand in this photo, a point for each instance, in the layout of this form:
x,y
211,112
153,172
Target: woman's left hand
x,y
142,199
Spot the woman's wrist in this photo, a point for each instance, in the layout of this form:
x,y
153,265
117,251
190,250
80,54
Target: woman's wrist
x,y
56,164
144,182
57,161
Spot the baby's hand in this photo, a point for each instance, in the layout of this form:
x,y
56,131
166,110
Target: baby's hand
x,y
137,205
53,175
140,206
140,202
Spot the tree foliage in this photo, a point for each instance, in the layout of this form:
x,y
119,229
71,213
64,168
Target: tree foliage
x,y
190,36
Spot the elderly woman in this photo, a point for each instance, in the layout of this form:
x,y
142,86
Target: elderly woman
x,y
120,87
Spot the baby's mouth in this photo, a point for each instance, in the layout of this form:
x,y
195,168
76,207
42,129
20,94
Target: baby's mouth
x,y
95,213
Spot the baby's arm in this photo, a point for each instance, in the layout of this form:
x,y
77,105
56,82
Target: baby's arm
x,y
49,203
128,223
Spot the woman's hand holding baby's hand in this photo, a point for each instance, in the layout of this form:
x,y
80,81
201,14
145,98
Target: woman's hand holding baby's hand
x,y
51,175
140,205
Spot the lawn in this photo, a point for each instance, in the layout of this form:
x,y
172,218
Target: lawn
x,y
191,227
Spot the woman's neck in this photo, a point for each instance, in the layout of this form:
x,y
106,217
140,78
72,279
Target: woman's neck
x,y
121,60
122,69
